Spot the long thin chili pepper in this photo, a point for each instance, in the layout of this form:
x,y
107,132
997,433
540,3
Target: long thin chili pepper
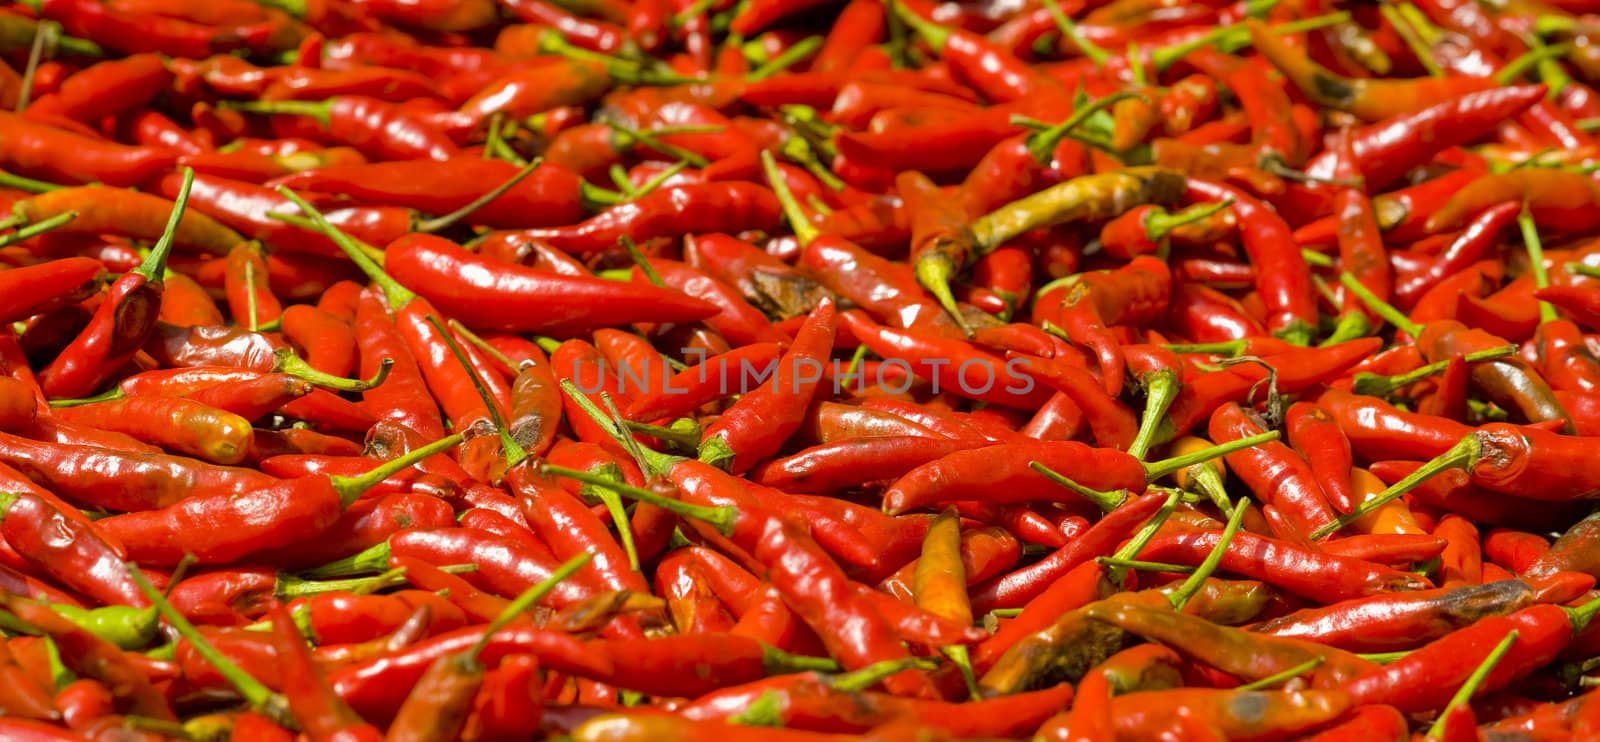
x,y
442,697
122,323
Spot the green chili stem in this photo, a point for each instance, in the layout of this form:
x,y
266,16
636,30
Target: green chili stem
x,y
1106,501
1196,581
1460,456
1380,307
1285,676
1541,275
257,694
1157,469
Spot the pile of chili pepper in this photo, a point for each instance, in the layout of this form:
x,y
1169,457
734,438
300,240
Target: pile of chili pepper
x,y
799,370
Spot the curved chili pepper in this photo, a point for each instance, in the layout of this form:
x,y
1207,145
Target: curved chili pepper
x,y
739,322
758,424
1367,99
1424,678
1237,652
378,129
94,657
184,426
1086,197
1315,575
1398,621
375,687
1133,294
547,197
1558,199
106,89
487,294
76,553
247,207
316,709
127,213
47,286
1144,229
1508,381
1286,289
43,151
1265,104
811,582
718,377
121,324
675,210
272,517
1277,475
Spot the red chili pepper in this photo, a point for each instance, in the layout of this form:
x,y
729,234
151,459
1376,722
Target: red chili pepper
x,y
954,366
1265,104
1091,302
995,74
319,712
93,657
677,210
1295,370
757,425
1367,99
549,196
488,295
1317,436
47,286
1277,475
1558,199
134,32
246,206
122,323
1425,678
738,321
127,213
1398,621
1311,574
106,89
43,151
235,523
1286,289
1144,229
378,129
376,687
1455,491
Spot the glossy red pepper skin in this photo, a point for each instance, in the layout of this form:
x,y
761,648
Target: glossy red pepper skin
x,y
36,150
378,129
547,197
756,426
486,294
1317,437
1286,290
106,89
676,210
375,687
1285,565
1421,679
245,207
135,33
47,286
1133,294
